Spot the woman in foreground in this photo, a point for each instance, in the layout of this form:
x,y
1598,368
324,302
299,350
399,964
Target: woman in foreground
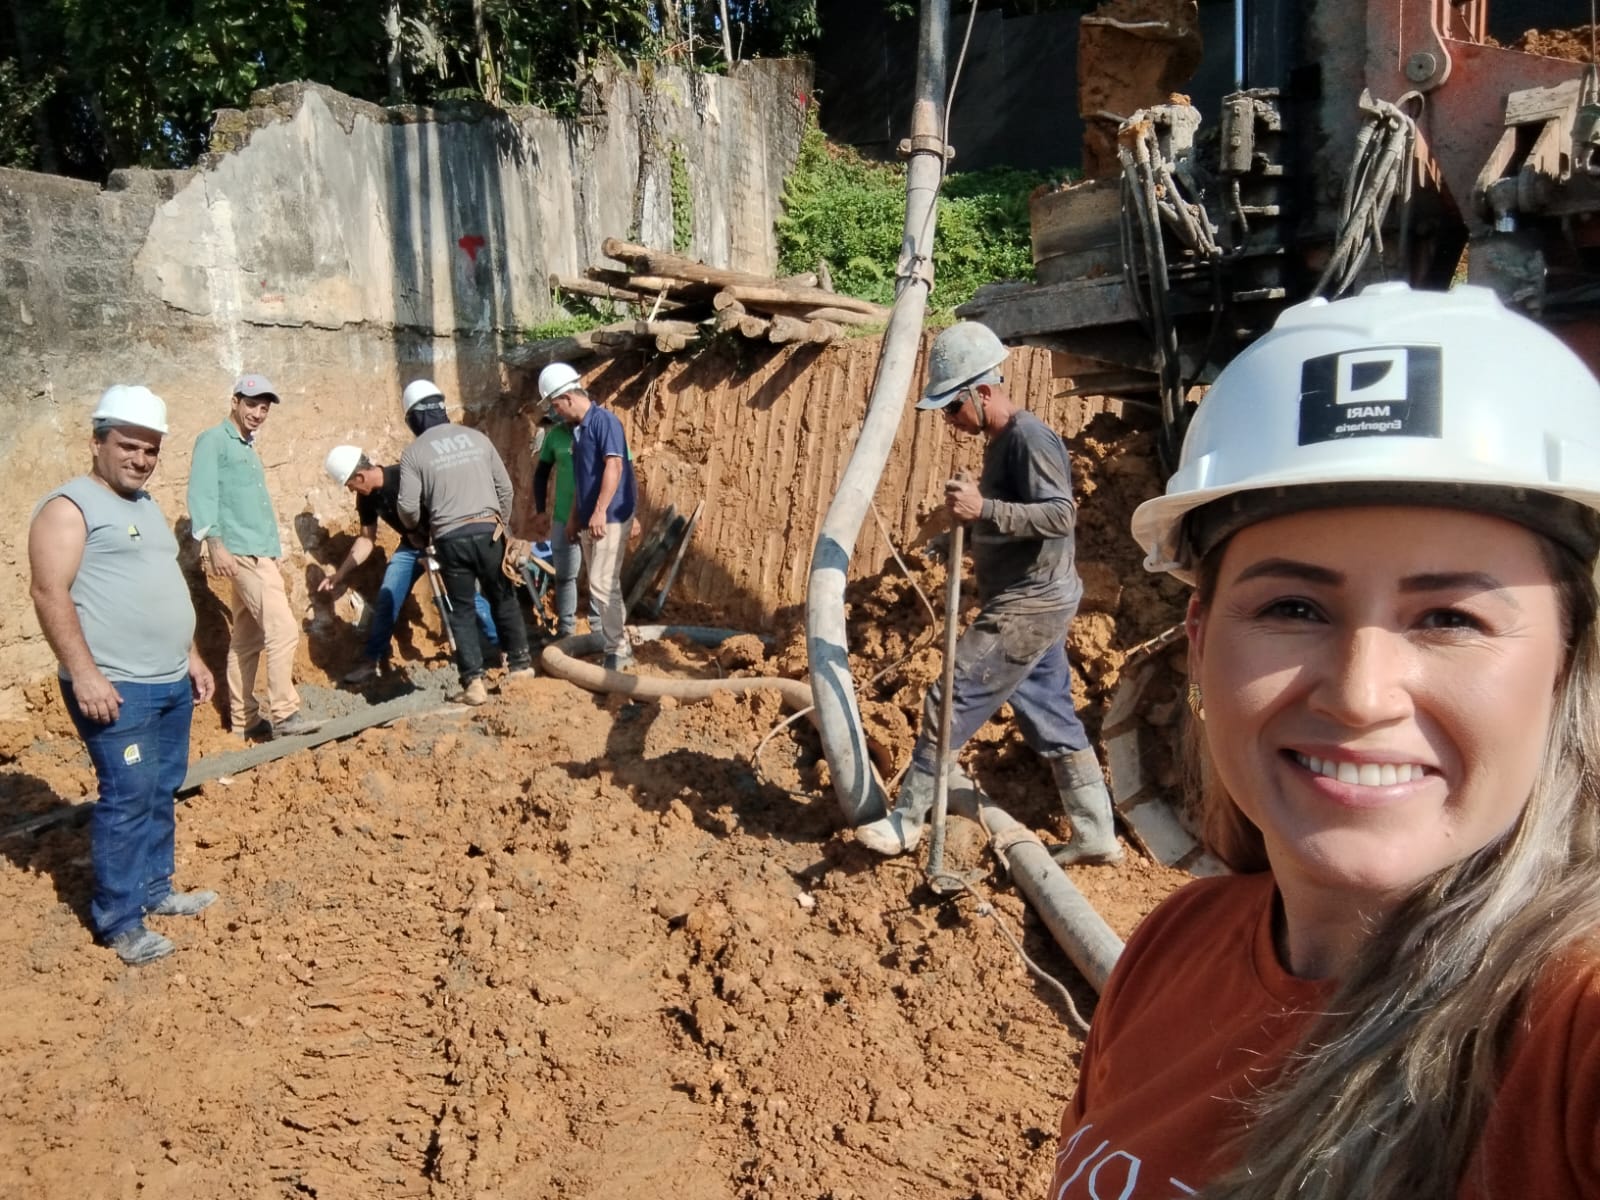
x,y
1388,509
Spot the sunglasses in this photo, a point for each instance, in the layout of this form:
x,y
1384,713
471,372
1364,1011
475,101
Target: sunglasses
x,y
951,409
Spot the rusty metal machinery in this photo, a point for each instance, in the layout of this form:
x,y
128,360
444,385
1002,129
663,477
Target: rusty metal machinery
x,y
1385,140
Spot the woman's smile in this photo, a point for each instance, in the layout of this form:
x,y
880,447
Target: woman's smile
x,y
1378,687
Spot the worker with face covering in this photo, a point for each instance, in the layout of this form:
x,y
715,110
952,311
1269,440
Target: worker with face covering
x,y
1023,518
454,478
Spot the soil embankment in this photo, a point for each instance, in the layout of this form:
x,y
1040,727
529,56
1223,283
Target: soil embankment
x,y
568,945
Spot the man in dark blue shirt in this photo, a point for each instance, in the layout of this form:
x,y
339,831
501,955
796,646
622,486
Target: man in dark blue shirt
x,y
604,497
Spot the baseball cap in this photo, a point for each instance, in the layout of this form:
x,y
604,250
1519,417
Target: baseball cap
x,y
255,385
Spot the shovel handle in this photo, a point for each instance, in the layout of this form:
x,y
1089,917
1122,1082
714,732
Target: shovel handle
x,y
952,631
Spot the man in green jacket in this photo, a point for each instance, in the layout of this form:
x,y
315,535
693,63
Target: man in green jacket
x,y
231,516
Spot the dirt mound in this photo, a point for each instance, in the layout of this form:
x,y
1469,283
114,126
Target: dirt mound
x,y
1570,44
567,945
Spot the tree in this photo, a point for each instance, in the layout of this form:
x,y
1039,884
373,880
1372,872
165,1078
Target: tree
x,y
140,79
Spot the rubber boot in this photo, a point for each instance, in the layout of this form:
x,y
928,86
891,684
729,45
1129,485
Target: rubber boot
x,y
1087,803
901,830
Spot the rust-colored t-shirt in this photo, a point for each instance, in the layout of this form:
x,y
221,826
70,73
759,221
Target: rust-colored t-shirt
x,y
1199,1015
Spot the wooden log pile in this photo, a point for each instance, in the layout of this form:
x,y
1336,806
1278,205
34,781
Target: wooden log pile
x,y
674,299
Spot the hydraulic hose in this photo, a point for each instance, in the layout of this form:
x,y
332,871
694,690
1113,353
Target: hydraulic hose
x,y
559,659
833,692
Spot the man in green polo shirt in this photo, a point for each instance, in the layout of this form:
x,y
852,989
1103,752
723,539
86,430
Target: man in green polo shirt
x,y
550,519
231,515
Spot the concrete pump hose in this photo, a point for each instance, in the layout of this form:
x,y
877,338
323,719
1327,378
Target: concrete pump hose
x,y
1080,931
560,660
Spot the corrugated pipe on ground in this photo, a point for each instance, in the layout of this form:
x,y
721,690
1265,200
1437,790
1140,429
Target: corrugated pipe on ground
x,y
561,660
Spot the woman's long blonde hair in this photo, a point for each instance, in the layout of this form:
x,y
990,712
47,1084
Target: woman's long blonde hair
x,y
1387,1096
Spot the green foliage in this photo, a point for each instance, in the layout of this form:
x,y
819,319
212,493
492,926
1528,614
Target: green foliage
x,y
563,327
138,80
682,201
18,102
850,211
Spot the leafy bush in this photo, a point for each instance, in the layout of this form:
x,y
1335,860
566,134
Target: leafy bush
x,y
850,211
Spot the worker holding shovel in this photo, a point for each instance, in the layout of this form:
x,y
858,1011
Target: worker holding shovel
x,y
377,491
1022,519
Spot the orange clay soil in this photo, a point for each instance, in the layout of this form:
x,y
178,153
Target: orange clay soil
x,y
567,945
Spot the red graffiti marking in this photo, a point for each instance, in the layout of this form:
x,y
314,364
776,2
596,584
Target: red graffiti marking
x,y
472,243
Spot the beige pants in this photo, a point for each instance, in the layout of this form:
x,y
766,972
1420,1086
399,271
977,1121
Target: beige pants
x,y
262,620
604,560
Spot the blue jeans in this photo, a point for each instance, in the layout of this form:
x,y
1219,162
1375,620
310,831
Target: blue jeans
x,y
404,569
1017,658
140,760
567,558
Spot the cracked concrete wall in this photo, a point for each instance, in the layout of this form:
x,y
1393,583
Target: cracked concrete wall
x,y
343,249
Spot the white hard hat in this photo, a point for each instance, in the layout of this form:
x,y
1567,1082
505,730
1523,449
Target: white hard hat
x,y
556,380
416,392
131,404
964,355
1391,396
342,462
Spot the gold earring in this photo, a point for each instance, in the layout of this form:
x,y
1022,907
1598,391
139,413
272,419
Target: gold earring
x,y
1196,702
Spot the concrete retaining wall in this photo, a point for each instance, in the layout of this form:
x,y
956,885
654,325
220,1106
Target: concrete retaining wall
x,y
344,249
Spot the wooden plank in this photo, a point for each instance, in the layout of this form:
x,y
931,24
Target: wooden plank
x,y
646,261
577,285
660,328
806,310
787,329
651,286
655,606
794,329
232,762
752,295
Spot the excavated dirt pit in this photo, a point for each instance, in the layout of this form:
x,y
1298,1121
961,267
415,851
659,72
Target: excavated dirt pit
x,y
568,945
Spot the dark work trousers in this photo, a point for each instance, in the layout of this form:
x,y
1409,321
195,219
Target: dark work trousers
x,y
1020,658
468,563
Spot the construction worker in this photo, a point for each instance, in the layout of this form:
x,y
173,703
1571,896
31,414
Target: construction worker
x,y
115,608
1389,510
454,488
1023,517
552,510
230,514
604,498
377,490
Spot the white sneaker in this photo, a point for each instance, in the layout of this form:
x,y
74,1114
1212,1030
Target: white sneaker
x,y
895,834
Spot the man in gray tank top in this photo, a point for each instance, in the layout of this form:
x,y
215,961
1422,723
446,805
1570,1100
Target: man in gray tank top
x,y
114,606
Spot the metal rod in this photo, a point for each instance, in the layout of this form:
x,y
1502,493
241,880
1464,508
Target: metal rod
x,y
441,598
1239,82
952,633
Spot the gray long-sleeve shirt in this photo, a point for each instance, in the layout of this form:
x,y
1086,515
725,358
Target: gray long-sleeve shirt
x,y
455,474
1022,543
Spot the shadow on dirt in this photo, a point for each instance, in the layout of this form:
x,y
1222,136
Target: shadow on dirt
x,y
719,787
59,849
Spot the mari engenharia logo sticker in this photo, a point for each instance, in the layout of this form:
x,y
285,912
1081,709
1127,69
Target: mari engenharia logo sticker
x,y
1379,391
